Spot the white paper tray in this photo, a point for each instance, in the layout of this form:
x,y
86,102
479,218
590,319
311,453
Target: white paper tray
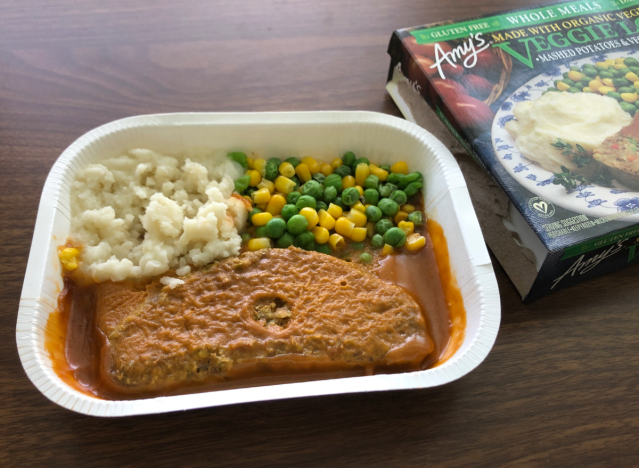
x,y
325,135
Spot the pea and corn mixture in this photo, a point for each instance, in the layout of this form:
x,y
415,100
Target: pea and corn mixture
x,y
323,207
615,78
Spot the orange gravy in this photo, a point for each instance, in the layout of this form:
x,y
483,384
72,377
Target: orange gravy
x,y
74,341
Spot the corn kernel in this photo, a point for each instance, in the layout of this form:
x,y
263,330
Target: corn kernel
x,y
311,216
275,204
359,207
360,190
287,169
69,258
605,90
361,173
255,176
267,184
408,208
629,97
260,219
250,163
358,234
326,220
370,229
327,169
595,84
284,184
632,77
344,226
609,62
619,66
321,234
636,84
588,89
303,172
336,241
575,75
601,64
399,168
334,210
619,60
414,242
263,195
313,165
400,216
608,82
262,206
357,217
379,172
387,250
561,86
348,182
259,165
406,226
259,243
335,163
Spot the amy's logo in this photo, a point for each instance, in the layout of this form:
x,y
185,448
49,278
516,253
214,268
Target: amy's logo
x,y
468,48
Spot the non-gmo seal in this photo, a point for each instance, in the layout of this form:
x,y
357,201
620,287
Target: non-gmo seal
x,y
541,207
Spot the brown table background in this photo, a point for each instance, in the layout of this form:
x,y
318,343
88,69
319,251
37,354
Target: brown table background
x,y
560,387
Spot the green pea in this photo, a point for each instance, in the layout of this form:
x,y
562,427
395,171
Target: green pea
x,y
628,107
297,224
395,237
568,81
242,183
306,201
573,90
323,248
246,237
397,179
551,89
416,217
636,104
271,171
565,75
626,89
250,191
338,201
357,246
292,198
614,95
383,225
620,82
239,158
371,196
386,189
288,211
296,180
600,69
334,180
373,214
343,171
631,62
365,258
260,232
634,69
276,161
275,228
377,241
349,158
399,197
350,196
614,72
360,161
605,74
285,241
319,177
321,206
386,167
371,182
388,207
293,161
305,240
330,193
575,68
579,85
624,71
412,189
254,211
312,188
590,72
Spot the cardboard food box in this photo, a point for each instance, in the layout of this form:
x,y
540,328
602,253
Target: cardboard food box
x,y
544,100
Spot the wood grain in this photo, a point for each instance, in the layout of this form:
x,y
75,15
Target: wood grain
x,y
560,386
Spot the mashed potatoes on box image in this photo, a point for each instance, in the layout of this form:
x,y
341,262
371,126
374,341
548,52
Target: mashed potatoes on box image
x,y
143,213
585,119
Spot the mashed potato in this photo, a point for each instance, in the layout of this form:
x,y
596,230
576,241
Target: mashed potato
x,y
584,118
143,213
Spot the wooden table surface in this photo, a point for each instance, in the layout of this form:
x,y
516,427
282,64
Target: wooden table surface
x,y
560,387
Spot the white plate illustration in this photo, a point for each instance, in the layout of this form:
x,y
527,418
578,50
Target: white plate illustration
x,y
589,199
